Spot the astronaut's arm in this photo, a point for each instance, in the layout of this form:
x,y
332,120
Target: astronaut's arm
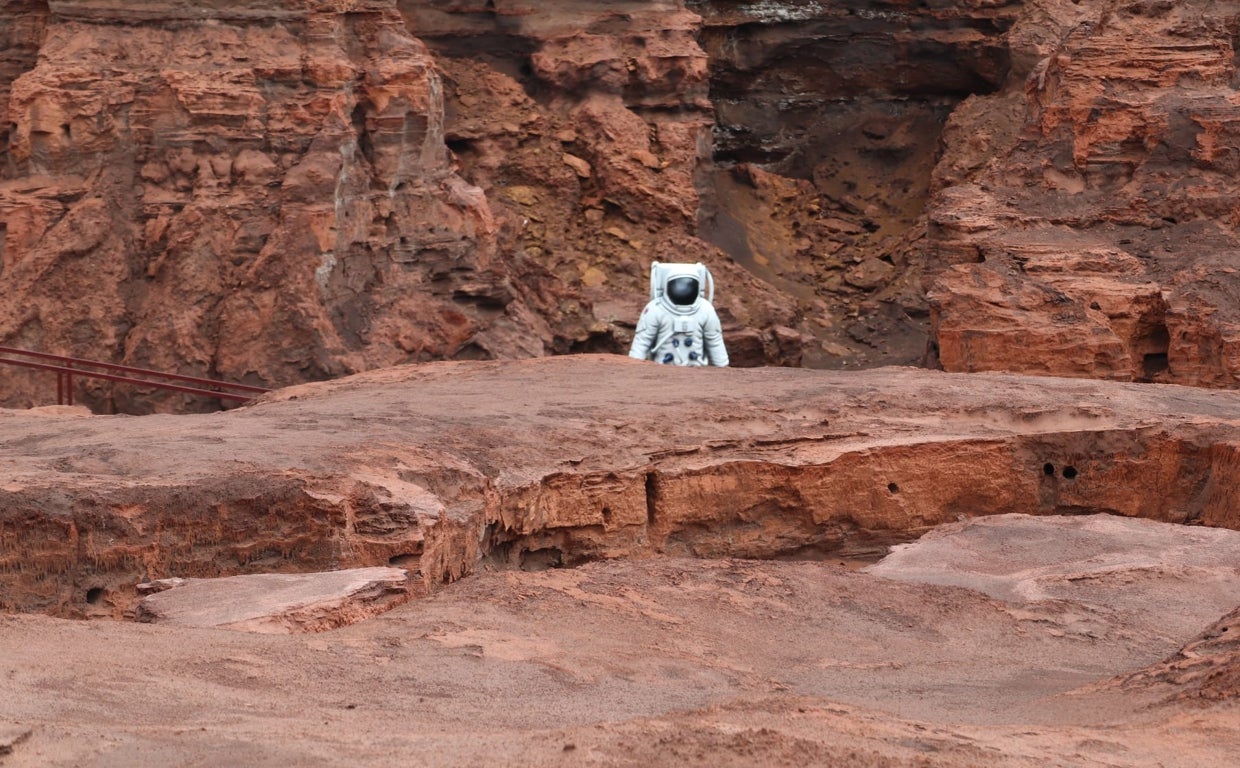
x,y
645,335
712,338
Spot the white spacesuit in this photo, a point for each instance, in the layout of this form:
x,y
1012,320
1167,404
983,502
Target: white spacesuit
x,y
679,326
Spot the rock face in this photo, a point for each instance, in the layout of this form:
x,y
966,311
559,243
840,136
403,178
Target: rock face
x,y
588,125
588,457
259,191
828,124
276,191
1084,219
268,191
20,40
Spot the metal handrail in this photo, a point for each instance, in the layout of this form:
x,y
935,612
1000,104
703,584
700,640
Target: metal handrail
x,y
65,370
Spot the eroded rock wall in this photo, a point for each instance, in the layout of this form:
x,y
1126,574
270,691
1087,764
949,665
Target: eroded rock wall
x,y
269,191
274,191
589,124
21,36
258,191
829,117
1084,219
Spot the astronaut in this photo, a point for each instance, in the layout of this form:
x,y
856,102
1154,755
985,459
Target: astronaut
x,y
679,326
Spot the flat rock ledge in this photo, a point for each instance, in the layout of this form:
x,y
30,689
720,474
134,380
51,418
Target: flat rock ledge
x,y
275,603
446,469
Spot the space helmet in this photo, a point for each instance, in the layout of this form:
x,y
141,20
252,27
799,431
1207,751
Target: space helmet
x,y
680,287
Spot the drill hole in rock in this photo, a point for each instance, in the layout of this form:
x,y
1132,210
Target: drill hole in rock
x,y
1069,473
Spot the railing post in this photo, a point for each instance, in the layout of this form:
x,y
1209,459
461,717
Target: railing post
x,y
64,386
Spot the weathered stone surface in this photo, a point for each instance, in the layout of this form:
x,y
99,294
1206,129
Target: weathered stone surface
x,y
432,469
275,602
21,36
580,120
307,190
698,662
259,191
1084,575
1204,670
780,67
509,472
842,105
1084,223
629,90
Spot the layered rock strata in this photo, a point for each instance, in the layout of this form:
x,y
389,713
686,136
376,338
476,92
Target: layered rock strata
x,y
268,191
258,191
21,36
589,125
828,120
275,191
1084,219
590,457
1207,669
275,603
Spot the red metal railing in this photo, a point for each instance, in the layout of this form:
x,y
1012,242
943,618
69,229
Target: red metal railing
x,y
66,368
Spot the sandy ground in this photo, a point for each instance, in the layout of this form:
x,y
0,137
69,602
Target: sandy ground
x,y
667,662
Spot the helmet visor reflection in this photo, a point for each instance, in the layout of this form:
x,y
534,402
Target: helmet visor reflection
x,y
683,291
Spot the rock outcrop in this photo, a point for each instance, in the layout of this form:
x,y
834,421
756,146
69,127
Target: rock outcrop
x,y
1206,670
589,126
21,36
269,191
258,191
1084,219
276,191
425,468
720,509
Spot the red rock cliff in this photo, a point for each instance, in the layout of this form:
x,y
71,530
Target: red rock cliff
x,y
278,190
259,191
1085,218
